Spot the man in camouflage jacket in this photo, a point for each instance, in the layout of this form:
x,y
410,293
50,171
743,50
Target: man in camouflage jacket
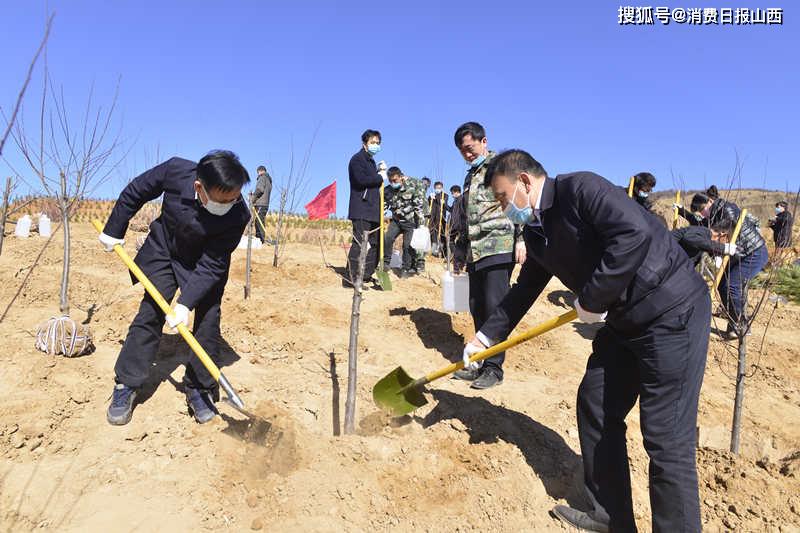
x,y
491,247
406,203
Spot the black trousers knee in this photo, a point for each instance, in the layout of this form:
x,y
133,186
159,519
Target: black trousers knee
x,y
141,345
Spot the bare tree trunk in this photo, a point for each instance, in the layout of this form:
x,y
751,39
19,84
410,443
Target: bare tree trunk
x,y
6,194
739,398
279,228
249,254
63,205
352,355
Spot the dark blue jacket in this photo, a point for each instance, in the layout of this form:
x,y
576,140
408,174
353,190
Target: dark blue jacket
x,y
614,258
194,243
365,184
695,240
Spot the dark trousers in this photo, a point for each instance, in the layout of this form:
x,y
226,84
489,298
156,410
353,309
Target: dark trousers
x,y
141,345
487,288
359,226
394,230
733,285
663,367
262,212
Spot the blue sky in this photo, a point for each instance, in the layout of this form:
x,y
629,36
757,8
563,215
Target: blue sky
x,y
562,80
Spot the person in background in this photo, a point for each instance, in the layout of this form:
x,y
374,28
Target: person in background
x,y
629,274
405,203
457,231
712,192
714,241
781,230
491,245
455,192
203,216
366,177
261,199
438,220
419,259
751,258
643,185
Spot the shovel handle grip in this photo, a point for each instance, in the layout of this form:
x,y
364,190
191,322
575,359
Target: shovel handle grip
x,y
162,303
734,236
544,327
630,186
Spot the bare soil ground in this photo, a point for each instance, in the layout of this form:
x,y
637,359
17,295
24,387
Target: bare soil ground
x,y
496,460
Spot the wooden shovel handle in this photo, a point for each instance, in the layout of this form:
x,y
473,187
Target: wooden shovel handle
x,y
734,236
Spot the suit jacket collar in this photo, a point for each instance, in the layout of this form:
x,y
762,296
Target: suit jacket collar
x,y
548,194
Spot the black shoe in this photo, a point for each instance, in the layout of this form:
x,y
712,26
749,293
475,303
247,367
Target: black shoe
x,y
201,405
467,374
578,519
121,409
405,274
488,378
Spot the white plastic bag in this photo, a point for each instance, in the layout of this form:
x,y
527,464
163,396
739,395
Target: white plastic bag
x,y
397,259
23,227
44,225
421,239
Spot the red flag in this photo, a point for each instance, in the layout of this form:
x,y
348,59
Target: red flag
x,y
323,204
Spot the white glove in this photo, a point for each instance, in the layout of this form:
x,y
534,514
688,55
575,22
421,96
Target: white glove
x,y
180,315
588,316
675,205
470,350
382,165
730,248
108,242
383,174
431,194
718,262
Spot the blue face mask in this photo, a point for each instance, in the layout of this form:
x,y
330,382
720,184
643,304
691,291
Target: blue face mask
x,y
643,194
477,162
373,148
518,215
396,185
778,210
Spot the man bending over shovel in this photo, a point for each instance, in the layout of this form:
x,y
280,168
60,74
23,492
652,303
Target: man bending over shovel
x,y
630,274
189,247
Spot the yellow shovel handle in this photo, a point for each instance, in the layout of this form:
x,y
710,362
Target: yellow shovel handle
x,y
162,303
734,236
675,210
544,327
630,187
260,223
380,233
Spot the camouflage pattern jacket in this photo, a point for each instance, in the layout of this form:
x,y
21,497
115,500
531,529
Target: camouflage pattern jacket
x,y
406,203
489,229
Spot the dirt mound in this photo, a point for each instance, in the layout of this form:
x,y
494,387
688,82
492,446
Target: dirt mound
x,y
495,460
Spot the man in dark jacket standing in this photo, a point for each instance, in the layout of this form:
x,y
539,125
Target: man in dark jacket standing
x,y
628,272
438,220
781,228
366,178
261,198
189,247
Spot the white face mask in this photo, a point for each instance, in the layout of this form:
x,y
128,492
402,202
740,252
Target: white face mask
x,y
217,208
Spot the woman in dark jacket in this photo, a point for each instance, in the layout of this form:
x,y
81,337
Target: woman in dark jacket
x,y
750,259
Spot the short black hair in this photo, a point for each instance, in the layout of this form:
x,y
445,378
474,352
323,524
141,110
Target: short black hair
x,y
393,171
426,178
723,224
260,168
473,129
370,133
699,201
438,183
510,163
644,179
455,188
782,204
712,192
221,169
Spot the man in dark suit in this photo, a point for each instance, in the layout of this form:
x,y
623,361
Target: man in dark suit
x,y
189,247
366,178
628,272
438,220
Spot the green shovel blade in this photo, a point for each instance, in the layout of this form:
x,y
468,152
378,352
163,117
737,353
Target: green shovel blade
x,y
396,394
383,279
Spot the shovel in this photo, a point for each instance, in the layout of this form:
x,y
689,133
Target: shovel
x,y
233,398
399,394
383,276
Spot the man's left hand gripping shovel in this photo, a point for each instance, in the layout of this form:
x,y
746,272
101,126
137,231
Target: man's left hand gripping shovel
x,y
233,398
